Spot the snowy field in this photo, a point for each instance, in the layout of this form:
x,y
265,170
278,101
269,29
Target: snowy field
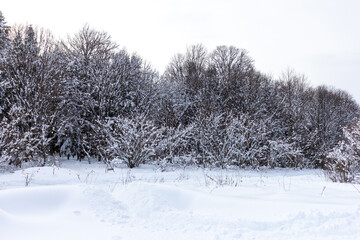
x,y
82,201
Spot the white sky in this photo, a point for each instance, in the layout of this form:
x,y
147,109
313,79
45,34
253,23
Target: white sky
x,y
318,38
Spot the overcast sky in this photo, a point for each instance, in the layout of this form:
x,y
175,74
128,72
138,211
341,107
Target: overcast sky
x,y
318,38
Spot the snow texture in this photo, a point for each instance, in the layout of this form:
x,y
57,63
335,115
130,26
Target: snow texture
x,y
82,201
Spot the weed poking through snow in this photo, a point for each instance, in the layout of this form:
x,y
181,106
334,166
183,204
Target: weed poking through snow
x,y
28,178
220,180
86,178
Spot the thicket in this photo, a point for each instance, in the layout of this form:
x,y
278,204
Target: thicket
x,y
84,97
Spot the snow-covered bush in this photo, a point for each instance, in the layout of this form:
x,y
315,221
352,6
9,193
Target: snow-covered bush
x,y
218,140
284,154
176,147
133,140
343,162
252,148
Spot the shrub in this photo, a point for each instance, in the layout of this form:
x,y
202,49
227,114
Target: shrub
x,y
343,162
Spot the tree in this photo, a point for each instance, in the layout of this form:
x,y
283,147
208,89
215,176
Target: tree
x,y
188,71
331,110
234,75
171,104
86,98
101,83
86,56
4,48
343,162
4,39
32,79
17,143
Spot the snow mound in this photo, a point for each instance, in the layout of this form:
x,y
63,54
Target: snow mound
x,y
5,218
38,200
48,212
146,199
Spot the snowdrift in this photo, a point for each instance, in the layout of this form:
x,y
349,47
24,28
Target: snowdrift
x,y
81,201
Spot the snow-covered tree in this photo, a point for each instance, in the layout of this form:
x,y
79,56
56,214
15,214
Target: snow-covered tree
x,y
17,143
4,48
85,58
4,39
86,98
101,83
32,87
330,110
343,162
171,104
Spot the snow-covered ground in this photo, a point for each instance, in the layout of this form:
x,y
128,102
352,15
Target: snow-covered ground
x,y
82,201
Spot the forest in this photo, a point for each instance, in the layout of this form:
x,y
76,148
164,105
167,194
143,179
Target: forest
x,y
83,97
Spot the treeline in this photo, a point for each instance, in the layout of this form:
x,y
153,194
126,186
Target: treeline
x,y
84,97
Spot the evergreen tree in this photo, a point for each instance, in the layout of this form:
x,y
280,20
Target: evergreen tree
x,y
4,48
4,38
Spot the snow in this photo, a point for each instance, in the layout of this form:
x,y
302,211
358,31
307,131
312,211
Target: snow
x,y
83,201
